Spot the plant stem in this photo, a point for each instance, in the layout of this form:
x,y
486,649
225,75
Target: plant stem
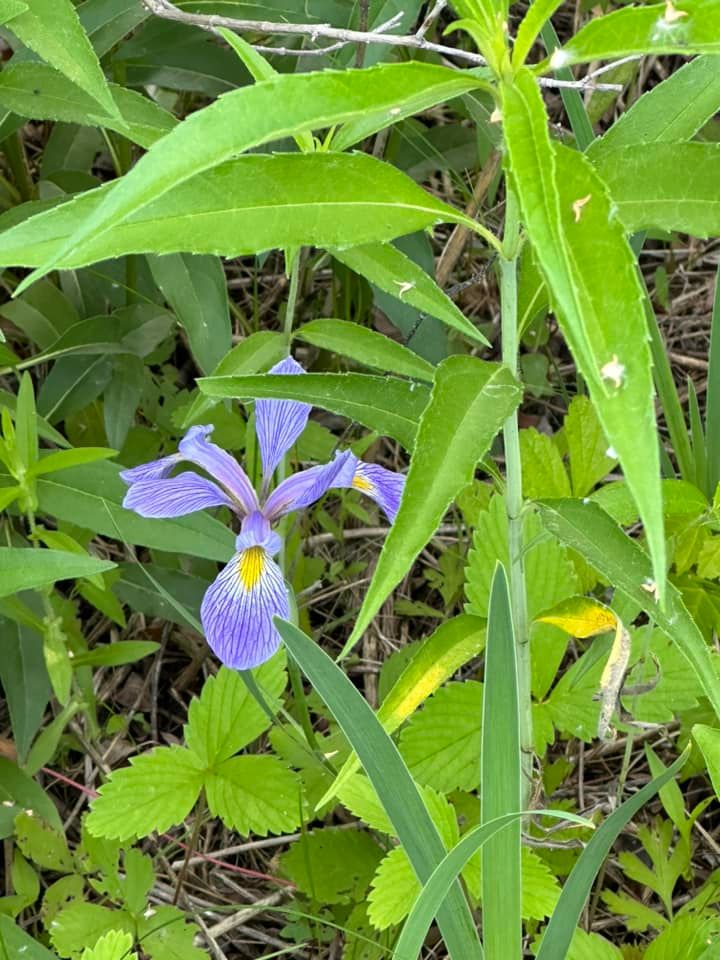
x,y
14,150
292,296
513,493
191,847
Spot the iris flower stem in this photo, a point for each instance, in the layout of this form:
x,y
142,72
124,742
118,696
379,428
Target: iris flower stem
x,y
513,487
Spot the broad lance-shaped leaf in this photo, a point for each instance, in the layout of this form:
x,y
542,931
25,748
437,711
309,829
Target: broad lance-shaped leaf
x,y
671,112
367,347
10,9
250,205
267,111
385,404
391,779
590,531
52,29
670,186
444,652
685,28
469,402
26,569
578,245
92,494
390,270
38,91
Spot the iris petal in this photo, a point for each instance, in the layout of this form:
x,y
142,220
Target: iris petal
x,y
153,470
303,488
175,496
279,422
196,448
383,486
238,608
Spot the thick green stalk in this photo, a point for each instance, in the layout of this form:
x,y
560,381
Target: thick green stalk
x,y
513,490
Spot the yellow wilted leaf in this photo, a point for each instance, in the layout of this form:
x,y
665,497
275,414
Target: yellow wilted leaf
x,y
580,617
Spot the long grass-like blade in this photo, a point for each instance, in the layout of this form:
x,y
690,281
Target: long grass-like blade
x,y
556,941
391,778
424,909
712,412
500,780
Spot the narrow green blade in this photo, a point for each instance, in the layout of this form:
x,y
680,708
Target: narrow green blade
x,y
392,781
500,780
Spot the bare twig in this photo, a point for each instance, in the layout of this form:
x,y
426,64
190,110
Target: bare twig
x,y
342,36
433,14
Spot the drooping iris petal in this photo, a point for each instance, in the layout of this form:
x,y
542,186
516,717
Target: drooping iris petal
x,y
384,486
152,470
303,488
238,608
279,422
196,448
174,496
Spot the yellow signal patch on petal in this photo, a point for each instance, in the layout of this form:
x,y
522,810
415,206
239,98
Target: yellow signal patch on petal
x,y
361,483
252,566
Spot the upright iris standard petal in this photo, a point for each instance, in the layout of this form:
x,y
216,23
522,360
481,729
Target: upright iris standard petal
x,y
175,496
384,486
279,422
196,448
302,489
238,608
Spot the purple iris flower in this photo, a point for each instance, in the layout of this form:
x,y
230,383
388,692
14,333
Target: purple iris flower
x,y
238,607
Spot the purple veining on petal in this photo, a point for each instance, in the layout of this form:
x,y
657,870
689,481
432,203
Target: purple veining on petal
x,y
257,532
303,488
238,608
153,470
383,486
279,422
196,448
174,496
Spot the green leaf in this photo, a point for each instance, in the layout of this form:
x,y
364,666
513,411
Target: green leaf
x,y
603,323
286,105
10,9
366,347
52,29
22,569
668,186
392,271
332,865
37,91
166,935
250,205
591,946
559,932
530,26
43,844
157,791
685,28
391,779
441,742
159,592
195,289
672,111
708,739
19,792
255,794
385,404
64,459
500,778
115,945
116,654
26,432
80,925
543,471
92,496
585,527
14,942
469,402
587,446
122,397
256,353
445,651
226,717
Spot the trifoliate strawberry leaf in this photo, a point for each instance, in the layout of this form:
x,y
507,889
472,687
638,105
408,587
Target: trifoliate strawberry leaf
x,y
255,794
82,924
157,791
164,934
332,865
115,945
226,716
